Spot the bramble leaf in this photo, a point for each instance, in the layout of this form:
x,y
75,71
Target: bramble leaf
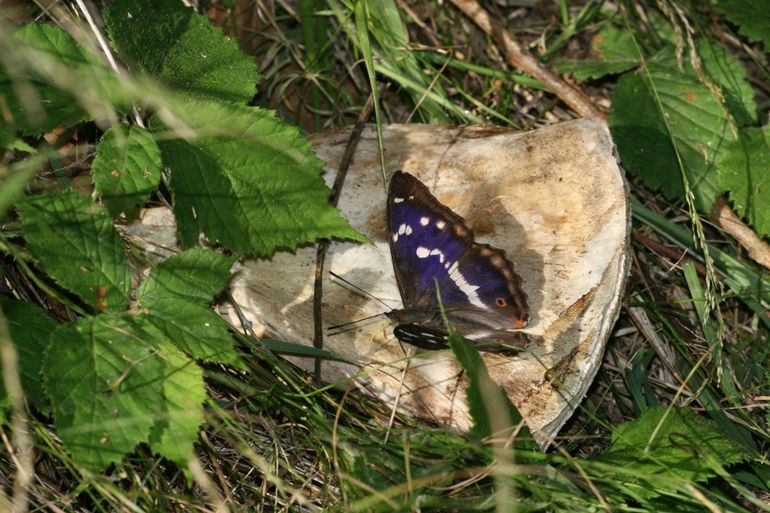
x,y
669,110
126,169
75,242
673,441
615,53
181,48
751,16
178,424
732,78
250,182
176,296
743,172
195,275
104,380
197,330
35,103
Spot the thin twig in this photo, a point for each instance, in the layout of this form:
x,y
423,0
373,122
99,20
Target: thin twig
x,y
666,252
521,59
323,246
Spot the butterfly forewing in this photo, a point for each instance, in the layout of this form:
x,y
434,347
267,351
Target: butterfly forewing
x,y
426,239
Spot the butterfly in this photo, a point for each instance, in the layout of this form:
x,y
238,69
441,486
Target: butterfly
x,y
433,251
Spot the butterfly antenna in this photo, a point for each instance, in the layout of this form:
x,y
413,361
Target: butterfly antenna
x,y
362,291
331,328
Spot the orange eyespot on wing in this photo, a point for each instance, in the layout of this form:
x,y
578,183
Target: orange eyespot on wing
x,y
501,302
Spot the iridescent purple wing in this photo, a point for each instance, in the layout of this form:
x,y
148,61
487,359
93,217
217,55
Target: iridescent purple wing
x,y
431,245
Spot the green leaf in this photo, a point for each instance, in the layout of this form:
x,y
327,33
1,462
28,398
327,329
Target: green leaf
x,y
75,242
176,295
30,329
695,124
489,405
195,329
250,182
181,48
194,275
673,441
177,427
126,169
615,51
34,103
743,172
731,76
104,378
751,16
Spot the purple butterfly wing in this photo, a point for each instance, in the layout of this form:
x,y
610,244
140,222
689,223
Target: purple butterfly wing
x,y
431,244
424,240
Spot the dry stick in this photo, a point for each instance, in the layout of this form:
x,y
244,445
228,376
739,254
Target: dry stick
x,y
520,58
665,251
323,246
747,238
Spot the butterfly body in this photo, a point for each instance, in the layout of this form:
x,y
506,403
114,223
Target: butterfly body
x,y
434,252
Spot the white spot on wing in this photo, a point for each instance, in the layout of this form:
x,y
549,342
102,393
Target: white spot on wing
x,y
462,284
440,224
424,221
439,253
423,252
398,200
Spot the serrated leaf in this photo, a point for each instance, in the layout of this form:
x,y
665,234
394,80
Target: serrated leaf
x,y
30,329
195,329
64,80
126,169
751,16
195,275
743,172
181,48
250,182
696,120
731,76
42,106
177,427
104,378
589,69
673,441
75,242
615,51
